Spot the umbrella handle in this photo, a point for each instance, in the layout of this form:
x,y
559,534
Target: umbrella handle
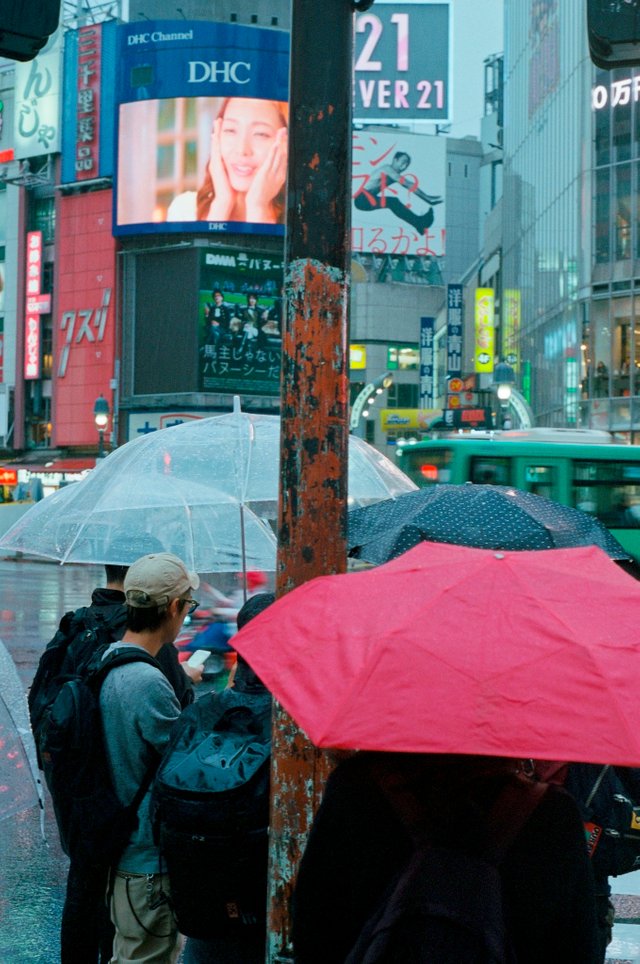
x,y
244,553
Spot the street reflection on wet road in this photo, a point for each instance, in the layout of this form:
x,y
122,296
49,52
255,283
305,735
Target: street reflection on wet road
x,y
33,596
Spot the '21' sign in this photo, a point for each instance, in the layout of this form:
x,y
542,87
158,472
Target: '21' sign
x,y
401,69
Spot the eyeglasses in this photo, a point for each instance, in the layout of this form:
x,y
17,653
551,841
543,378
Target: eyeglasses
x,y
192,605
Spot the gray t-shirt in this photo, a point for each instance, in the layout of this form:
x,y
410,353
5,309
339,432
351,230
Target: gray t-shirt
x,y
139,708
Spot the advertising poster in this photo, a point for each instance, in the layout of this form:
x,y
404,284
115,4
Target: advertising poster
x,y
202,128
398,193
240,324
397,75
485,331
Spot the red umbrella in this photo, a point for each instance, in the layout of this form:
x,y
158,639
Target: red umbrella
x,y
450,649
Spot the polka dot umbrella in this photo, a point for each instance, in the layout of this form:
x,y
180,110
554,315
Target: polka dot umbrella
x,y
484,516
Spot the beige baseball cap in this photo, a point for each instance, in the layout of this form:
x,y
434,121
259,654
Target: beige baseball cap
x,y
156,579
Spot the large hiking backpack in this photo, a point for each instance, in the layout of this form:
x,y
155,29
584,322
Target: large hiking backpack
x,y
210,810
80,634
94,825
445,907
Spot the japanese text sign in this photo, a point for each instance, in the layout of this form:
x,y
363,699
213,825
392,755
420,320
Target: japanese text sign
x,y
87,146
511,328
427,329
484,329
454,330
33,280
36,118
240,325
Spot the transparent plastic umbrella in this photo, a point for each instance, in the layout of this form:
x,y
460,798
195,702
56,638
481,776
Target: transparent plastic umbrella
x,y
20,786
204,490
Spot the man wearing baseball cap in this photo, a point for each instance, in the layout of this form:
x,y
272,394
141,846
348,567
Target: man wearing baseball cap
x,y
139,708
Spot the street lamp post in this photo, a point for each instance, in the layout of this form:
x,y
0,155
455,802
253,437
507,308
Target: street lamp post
x,y
101,418
504,379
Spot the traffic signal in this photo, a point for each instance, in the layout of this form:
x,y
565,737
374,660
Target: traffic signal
x,y
614,33
26,25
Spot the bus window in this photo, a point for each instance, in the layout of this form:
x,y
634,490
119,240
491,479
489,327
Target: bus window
x,y
610,490
540,479
489,471
427,467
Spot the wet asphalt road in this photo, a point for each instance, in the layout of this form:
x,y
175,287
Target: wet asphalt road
x,y
33,596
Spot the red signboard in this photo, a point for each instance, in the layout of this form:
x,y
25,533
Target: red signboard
x,y
88,102
39,304
8,476
84,330
33,281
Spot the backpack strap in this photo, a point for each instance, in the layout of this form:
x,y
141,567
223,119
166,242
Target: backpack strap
x,y
97,678
596,785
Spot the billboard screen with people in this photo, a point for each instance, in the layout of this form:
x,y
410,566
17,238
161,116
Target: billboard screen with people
x,y
202,128
240,322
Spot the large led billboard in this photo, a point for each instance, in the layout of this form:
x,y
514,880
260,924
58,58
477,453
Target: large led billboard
x,y
240,321
202,128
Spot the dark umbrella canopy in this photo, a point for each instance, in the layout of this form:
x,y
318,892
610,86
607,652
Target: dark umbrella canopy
x,y
484,516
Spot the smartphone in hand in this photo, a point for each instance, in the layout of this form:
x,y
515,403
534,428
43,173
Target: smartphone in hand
x,y
199,657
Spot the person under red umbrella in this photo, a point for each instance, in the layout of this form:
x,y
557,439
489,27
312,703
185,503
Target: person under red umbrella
x,y
361,841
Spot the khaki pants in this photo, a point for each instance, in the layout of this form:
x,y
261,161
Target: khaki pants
x,y
145,926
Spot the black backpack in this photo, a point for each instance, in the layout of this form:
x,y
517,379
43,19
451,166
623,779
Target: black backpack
x,y
94,825
445,907
80,634
210,811
609,801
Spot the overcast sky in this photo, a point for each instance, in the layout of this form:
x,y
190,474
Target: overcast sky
x,y
477,33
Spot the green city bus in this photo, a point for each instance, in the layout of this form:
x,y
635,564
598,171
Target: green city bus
x,y
585,469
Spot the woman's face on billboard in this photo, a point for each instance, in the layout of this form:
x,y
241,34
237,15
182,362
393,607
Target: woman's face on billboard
x,y
249,129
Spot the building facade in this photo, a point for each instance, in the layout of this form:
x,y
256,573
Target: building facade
x,y
569,221
107,295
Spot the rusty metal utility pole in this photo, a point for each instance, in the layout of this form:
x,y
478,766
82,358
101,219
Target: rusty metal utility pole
x,y
315,391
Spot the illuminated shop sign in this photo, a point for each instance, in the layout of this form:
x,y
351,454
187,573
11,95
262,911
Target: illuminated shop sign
x,y
618,93
484,329
33,281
